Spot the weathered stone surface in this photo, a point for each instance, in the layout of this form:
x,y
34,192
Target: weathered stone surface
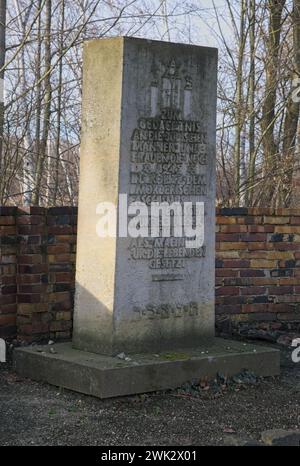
x,y
148,131
106,376
281,437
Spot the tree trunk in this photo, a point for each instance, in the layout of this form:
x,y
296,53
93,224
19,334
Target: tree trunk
x,y
251,105
42,154
291,116
268,120
239,107
2,65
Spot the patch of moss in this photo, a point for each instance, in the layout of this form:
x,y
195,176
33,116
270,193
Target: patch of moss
x,y
174,356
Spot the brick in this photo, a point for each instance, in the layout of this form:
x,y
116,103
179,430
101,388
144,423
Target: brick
x,y
8,289
8,269
40,327
71,239
60,220
59,287
7,299
292,316
261,317
7,319
257,237
257,211
259,299
261,281
257,246
252,273
227,290
64,267
30,259
287,246
287,229
7,230
233,228
32,210
33,268
228,309
9,308
253,254
64,305
62,335
281,273
31,230
60,230
236,263
29,298
59,248
60,258
249,220
8,280
280,290
249,308
232,246
57,211
263,264
287,212
233,281
273,255
291,298
60,325
234,211
25,240
63,315
36,288
8,210
7,220
225,220
8,249
295,220
253,290
10,239
31,220
260,228
227,237
232,299
59,297
64,277
226,273
228,254
276,220
8,259
289,281
30,308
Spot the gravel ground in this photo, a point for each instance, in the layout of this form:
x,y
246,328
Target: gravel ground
x,y
39,414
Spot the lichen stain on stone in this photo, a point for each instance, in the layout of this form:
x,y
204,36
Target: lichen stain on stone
x,y
174,356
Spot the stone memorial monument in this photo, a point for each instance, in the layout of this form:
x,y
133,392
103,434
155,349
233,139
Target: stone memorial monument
x,y
144,305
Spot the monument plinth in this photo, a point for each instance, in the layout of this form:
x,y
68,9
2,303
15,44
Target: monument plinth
x,y
145,273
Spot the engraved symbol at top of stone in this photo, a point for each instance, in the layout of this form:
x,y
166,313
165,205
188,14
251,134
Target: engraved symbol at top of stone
x,y
168,94
171,87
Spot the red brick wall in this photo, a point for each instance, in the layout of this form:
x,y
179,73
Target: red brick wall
x,y
37,272
257,270
8,272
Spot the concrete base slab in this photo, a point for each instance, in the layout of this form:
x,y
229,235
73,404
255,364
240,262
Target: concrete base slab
x,y
106,377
